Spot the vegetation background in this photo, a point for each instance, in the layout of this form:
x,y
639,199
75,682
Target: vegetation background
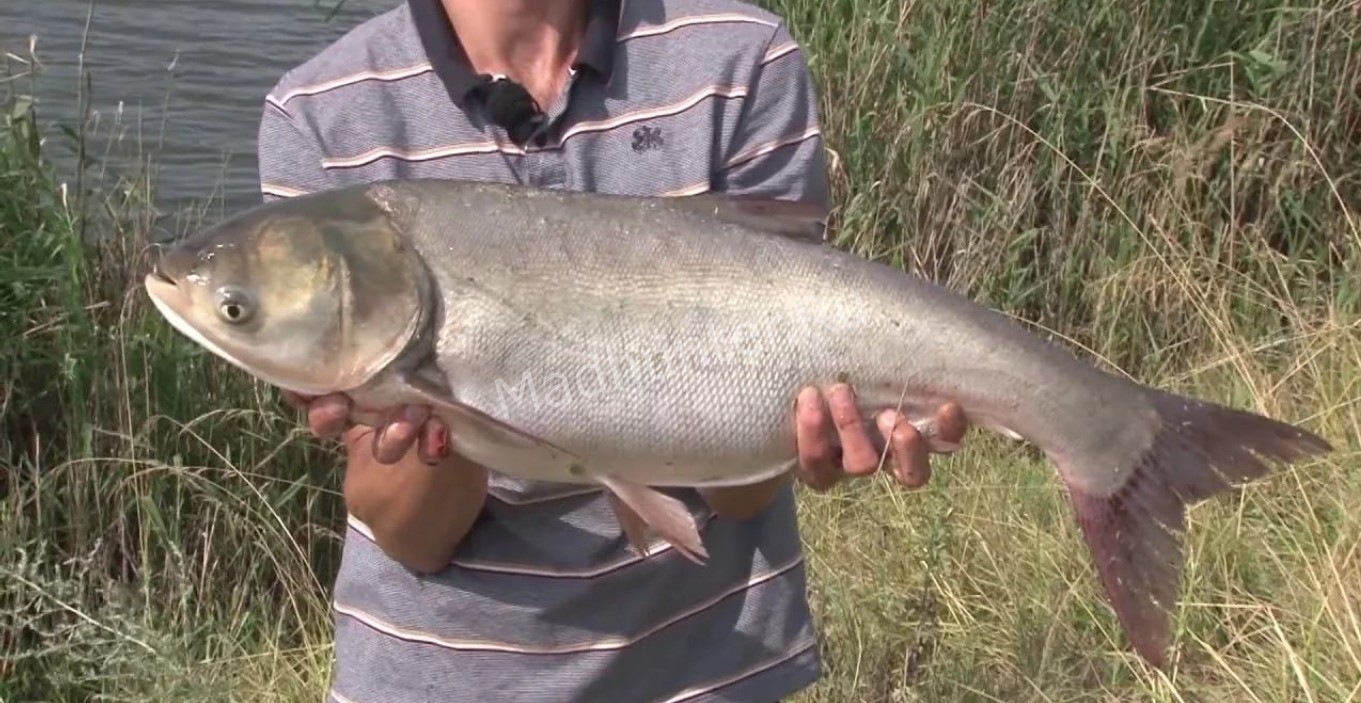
x,y
1173,187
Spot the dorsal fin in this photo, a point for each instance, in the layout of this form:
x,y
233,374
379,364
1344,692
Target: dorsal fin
x,y
788,218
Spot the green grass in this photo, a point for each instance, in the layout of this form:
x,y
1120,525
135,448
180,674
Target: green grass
x,y
1173,187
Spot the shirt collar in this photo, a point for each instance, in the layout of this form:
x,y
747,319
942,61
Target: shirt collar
x,y
450,63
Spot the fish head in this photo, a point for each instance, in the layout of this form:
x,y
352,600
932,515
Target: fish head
x,y
316,294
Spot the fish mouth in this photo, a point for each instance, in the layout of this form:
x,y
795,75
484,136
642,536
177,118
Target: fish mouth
x,y
159,284
160,276
162,289
169,266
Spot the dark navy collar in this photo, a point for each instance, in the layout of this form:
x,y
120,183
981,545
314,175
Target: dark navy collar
x,y
446,55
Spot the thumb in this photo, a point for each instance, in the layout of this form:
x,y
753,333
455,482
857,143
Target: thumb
x,y
297,401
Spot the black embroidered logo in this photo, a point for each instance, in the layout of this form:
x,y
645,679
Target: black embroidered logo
x,y
646,138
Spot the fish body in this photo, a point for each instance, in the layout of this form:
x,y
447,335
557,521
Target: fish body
x,y
643,342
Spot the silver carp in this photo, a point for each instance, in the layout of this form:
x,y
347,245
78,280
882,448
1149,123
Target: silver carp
x,y
646,342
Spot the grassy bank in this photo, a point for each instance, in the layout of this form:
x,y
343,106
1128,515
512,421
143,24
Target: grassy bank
x,y
1173,187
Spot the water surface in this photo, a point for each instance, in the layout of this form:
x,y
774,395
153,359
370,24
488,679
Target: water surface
x,y
190,75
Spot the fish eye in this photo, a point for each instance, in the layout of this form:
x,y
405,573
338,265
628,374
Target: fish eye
x,y
233,307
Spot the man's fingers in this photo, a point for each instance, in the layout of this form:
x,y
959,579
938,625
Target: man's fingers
x,y
297,401
951,424
816,466
858,456
328,415
911,463
398,433
434,442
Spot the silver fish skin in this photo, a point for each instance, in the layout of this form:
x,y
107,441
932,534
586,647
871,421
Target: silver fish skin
x,y
644,342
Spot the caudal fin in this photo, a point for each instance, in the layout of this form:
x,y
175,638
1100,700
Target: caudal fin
x,y
1200,450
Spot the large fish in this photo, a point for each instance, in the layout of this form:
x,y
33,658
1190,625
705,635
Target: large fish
x,y
639,342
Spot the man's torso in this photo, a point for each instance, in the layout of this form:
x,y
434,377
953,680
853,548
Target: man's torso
x,y
544,591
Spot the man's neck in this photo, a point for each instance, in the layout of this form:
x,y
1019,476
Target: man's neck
x,y
533,42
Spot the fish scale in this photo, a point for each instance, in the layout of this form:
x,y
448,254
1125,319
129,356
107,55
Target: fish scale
x,y
534,375
699,318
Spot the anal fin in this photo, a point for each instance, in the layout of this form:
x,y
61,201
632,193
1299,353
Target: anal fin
x,y
664,514
634,528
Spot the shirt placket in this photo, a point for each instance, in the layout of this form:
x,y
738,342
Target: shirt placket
x,y
547,163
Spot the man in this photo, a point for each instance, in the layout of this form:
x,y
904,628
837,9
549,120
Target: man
x,y
457,585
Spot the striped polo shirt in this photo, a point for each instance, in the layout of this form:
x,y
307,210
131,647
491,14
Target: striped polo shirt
x,y
544,600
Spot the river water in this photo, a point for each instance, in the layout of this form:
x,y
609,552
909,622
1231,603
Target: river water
x,y
190,75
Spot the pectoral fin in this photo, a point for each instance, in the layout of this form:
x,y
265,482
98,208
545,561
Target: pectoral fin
x,y
427,386
664,514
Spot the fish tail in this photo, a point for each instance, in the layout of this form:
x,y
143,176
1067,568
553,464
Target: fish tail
x,y
1198,450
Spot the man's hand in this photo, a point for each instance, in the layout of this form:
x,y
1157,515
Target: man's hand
x,y
405,427
822,463
401,479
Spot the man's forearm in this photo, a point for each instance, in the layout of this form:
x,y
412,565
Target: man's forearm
x,y
419,513
744,502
